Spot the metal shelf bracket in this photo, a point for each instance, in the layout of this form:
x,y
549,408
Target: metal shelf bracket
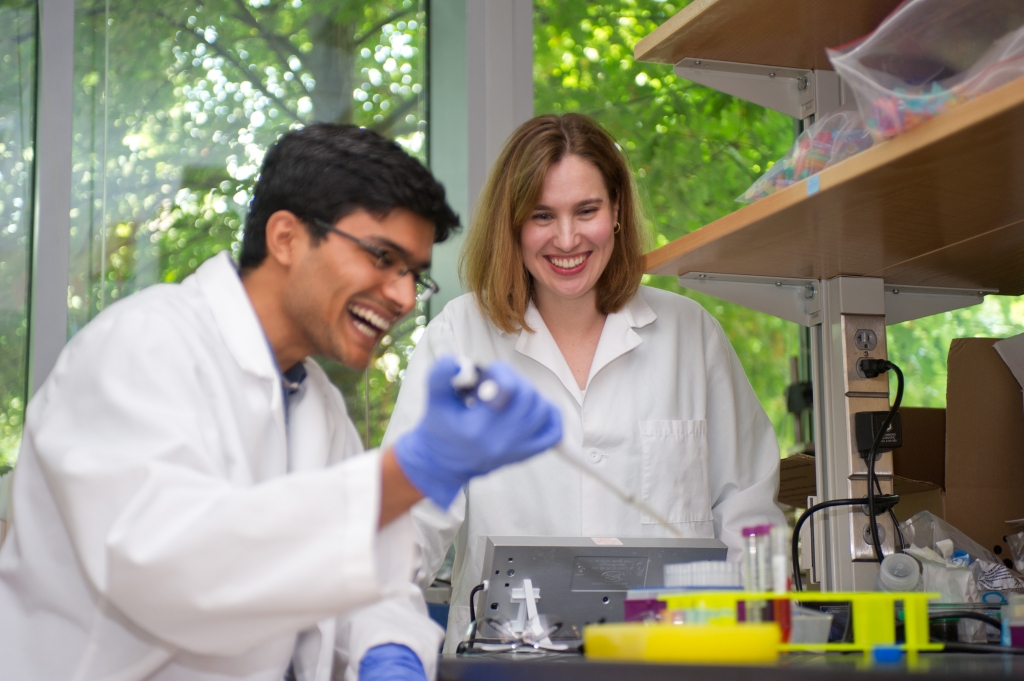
x,y
795,300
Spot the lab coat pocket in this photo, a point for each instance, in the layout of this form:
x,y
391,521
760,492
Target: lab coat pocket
x,y
675,471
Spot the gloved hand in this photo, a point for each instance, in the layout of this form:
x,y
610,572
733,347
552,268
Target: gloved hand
x,y
454,443
391,662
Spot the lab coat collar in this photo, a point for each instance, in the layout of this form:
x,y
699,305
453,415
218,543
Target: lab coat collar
x,y
617,338
235,316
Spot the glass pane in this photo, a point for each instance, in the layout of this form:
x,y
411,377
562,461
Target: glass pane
x,y
694,150
17,131
175,103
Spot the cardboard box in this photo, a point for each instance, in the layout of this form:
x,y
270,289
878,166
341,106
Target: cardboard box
x,y
796,480
923,454
984,477
912,503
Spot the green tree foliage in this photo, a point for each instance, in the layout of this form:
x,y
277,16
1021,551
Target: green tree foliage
x,y
175,105
693,150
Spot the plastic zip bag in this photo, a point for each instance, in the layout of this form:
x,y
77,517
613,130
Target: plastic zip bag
x,y
928,56
926,530
837,136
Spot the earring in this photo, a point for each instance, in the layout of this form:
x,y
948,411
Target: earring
x,y
617,228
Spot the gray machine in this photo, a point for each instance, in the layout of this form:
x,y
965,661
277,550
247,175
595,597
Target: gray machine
x,y
577,580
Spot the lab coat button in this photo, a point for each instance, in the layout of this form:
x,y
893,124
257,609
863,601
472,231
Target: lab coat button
x,y
594,456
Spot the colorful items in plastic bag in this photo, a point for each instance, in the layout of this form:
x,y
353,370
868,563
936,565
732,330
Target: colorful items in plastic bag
x,y
837,136
929,56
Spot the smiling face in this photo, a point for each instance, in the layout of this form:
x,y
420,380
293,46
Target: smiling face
x,y
567,239
338,300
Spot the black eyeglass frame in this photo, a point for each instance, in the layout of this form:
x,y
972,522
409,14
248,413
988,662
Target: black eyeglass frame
x,y
425,286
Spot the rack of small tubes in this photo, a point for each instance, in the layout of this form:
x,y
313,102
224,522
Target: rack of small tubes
x,y
707,626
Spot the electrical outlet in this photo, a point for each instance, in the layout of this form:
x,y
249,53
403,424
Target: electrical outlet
x,y
865,339
860,526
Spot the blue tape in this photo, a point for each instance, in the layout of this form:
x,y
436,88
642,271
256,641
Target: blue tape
x,y
813,185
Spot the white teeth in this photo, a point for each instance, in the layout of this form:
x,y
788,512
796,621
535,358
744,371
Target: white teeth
x,y
568,263
373,322
365,329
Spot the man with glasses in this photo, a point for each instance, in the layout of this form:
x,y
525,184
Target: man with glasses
x,y
191,500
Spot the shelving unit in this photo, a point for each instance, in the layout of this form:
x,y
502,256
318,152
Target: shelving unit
x,y
927,222
942,205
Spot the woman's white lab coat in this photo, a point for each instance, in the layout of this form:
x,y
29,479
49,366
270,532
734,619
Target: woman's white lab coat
x,y
667,413
157,533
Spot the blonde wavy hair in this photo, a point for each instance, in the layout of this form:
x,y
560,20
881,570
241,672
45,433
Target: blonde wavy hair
x,y
491,263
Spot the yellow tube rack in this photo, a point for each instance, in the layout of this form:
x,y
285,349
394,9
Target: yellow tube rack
x,y
726,640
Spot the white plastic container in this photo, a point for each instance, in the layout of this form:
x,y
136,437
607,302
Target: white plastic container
x,y
898,572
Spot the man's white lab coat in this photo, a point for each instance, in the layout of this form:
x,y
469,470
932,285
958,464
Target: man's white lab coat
x,y
169,524
667,413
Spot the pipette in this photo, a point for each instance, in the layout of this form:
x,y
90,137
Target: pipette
x,y
472,383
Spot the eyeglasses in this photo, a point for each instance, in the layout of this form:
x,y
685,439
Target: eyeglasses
x,y
386,259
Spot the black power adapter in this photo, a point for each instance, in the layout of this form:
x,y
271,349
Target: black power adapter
x,y
866,427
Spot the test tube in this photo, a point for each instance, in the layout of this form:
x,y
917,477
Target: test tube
x,y
757,569
780,540
1013,621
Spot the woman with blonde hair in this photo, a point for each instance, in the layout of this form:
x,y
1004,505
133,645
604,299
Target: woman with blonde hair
x,y
651,392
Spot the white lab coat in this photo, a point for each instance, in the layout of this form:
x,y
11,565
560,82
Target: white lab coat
x,y
667,413
157,533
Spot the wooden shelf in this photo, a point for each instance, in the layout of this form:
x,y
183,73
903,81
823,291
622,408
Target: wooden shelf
x,y
941,205
791,33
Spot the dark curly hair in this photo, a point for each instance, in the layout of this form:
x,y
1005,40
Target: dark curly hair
x,y
327,172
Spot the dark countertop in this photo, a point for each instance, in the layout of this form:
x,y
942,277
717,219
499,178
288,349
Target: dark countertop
x,y
794,667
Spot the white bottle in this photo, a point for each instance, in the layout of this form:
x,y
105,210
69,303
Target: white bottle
x,y
898,572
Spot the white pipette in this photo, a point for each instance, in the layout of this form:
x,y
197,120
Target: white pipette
x,y
472,383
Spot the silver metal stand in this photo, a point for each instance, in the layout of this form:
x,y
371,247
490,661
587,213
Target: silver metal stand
x,y
847,317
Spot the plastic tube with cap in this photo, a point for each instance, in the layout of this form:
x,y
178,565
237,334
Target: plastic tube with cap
x,y
780,558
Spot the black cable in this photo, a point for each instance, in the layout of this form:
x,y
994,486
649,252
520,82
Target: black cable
x,y
869,367
472,609
967,615
872,520
976,648
797,584
892,517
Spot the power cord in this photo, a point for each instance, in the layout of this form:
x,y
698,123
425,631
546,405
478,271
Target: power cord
x,y
872,368
895,522
884,501
876,503
472,609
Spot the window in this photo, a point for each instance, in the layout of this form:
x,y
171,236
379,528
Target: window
x,y
175,103
17,131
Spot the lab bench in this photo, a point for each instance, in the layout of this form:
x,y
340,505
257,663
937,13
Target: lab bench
x,y
803,667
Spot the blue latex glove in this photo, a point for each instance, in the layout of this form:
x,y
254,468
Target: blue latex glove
x,y
454,442
391,662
